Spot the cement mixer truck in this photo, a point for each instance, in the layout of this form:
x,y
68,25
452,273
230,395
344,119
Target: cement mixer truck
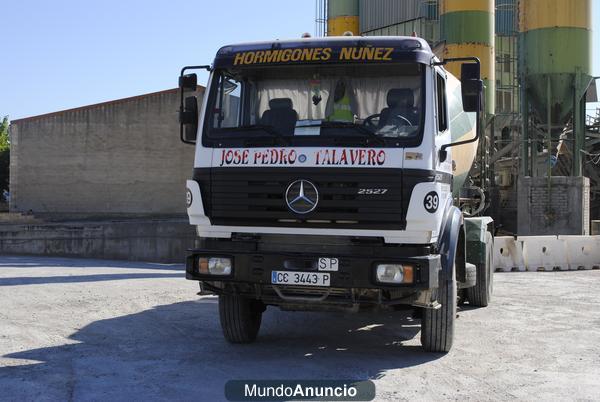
x,y
329,176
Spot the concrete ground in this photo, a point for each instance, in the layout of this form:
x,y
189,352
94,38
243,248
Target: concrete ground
x,y
95,330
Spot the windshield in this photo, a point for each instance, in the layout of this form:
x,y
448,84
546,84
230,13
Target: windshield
x,y
382,103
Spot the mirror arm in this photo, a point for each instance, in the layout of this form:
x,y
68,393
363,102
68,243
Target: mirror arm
x,y
181,91
443,152
204,67
452,59
477,128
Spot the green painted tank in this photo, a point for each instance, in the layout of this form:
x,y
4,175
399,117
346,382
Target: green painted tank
x,y
342,16
554,46
468,30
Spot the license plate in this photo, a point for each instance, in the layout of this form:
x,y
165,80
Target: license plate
x,y
300,278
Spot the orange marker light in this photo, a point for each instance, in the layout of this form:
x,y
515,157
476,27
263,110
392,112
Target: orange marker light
x,y
203,265
408,274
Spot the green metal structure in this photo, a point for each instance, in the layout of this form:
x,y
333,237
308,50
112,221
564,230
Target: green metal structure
x,y
536,60
468,30
342,16
554,55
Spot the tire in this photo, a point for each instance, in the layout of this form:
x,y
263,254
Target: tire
x,y
437,326
471,275
240,318
480,295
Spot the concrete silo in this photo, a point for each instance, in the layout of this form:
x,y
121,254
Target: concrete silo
x,y
467,28
554,55
554,73
342,16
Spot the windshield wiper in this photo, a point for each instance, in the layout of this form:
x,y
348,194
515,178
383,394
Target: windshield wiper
x,y
366,133
274,136
254,127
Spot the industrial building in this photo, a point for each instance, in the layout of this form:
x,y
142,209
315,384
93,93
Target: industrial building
x,y
100,181
115,158
541,146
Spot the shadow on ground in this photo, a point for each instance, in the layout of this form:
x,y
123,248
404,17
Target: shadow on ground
x,y
176,351
40,280
68,262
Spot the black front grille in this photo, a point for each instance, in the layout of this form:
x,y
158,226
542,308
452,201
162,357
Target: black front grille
x,y
256,197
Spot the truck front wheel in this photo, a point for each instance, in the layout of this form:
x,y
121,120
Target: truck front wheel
x,y
240,318
437,326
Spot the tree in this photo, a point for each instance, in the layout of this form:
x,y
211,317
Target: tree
x,y
4,155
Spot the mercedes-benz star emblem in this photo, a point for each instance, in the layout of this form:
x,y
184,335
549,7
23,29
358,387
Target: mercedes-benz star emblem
x,y
301,196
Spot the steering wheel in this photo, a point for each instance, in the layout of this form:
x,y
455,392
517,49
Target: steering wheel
x,y
404,119
368,122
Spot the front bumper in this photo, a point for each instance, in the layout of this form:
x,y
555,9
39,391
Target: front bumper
x,y
253,263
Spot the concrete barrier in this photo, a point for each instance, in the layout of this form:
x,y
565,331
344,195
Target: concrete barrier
x,y
544,253
137,240
583,252
508,254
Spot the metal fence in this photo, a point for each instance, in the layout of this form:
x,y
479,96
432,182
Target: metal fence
x,y
376,14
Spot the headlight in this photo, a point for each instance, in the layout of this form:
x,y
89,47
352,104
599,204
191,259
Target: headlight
x,y
394,273
214,266
219,266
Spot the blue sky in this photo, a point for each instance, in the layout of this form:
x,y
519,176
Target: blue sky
x,y
61,54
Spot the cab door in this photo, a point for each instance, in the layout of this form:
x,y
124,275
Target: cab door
x,y
443,167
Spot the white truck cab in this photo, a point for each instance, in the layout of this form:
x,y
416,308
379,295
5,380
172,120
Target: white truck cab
x,y
323,179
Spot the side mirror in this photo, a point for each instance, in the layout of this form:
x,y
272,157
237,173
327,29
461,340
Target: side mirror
x,y
471,87
472,99
188,82
188,109
188,120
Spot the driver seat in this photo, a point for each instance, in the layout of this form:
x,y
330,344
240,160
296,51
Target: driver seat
x,y
281,116
400,102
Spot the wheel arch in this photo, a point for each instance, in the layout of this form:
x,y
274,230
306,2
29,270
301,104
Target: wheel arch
x,y
452,235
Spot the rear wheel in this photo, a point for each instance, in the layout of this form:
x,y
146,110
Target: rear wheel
x,y
437,326
480,295
240,318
